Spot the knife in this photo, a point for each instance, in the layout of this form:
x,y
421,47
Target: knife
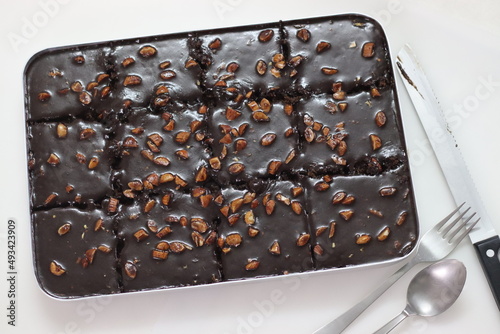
x,y
486,241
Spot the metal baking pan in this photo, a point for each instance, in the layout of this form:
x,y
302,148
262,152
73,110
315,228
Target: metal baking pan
x,y
83,242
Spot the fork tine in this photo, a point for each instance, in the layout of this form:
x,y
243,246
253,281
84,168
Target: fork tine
x,y
445,219
450,226
459,227
465,232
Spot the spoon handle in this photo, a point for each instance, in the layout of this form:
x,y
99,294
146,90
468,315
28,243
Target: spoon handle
x,y
393,323
339,324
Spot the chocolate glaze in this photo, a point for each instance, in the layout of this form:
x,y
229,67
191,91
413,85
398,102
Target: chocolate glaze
x,y
82,276
346,38
195,264
178,123
353,126
182,157
269,237
62,170
253,142
371,214
65,74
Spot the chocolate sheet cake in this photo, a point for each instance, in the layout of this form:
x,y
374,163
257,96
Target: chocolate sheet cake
x,y
216,155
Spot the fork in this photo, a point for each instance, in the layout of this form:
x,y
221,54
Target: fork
x,y
435,245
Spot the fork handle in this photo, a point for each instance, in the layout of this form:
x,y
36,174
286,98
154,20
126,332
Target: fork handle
x,y
339,324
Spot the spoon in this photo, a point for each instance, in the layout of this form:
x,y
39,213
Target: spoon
x,y
431,292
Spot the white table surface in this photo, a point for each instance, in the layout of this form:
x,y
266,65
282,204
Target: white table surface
x,y
457,43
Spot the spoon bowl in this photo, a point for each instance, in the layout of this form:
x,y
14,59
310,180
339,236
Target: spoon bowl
x,y
432,291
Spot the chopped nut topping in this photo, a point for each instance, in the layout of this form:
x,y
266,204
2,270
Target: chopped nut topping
x,y
149,205
249,217
94,161
236,204
380,119
339,197
147,51
167,75
56,269
296,207
232,114
346,214
374,92
384,234
113,205
240,145
158,254
260,116
236,168
296,191
199,225
167,177
152,226
275,248
198,239
261,67
45,96
201,175
62,130
252,265
98,225
132,80
318,250
368,50
303,239
303,35
331,232
376,142
270,204
63,229
182,137
322,46
166,230
140,235
329,70
215,44
376,213
387,191
402,218
104,249
363,239
266,35
234,240
130,269
273,167
128,61
268,139
252,232
53,159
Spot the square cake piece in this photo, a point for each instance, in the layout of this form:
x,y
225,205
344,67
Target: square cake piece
x,y
71,82
169,240
361,219
352,135
246,57
257,139
349,50
264,234
75,252
69,163
145,64
161,150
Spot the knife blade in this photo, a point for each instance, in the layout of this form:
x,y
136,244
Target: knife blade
x,y
484,237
